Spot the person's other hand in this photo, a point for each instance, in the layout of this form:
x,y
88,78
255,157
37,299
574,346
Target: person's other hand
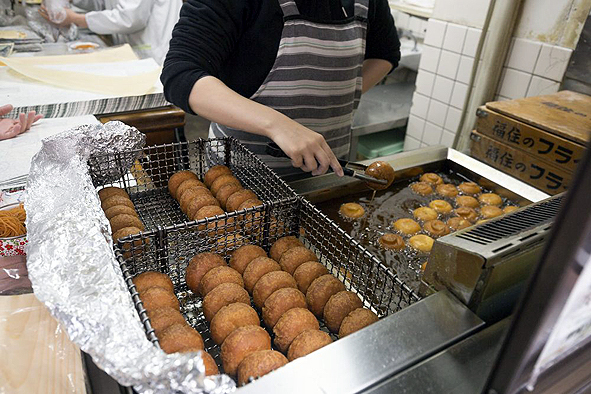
x,y
307,149
69,19
12,127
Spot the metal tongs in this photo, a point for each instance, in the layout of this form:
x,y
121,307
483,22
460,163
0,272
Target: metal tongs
x,y
349,169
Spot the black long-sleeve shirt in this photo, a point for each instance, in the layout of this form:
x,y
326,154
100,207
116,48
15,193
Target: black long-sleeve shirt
x,y
236,41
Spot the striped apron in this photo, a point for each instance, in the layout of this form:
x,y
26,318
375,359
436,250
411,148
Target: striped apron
x,y
315,80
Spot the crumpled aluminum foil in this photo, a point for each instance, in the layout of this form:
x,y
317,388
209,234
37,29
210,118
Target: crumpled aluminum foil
x,y
74,272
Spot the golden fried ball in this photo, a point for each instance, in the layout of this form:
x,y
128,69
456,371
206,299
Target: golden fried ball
x,y
436,228
422,188
229,318
226,191
467,213
242,256
111,191
180,338
236,199
177,178
116,200
457,223
421,242
306,273
356,320
190,194
320,292
338,307
380,170
258,267
118,210
490,211
200,201
210,211
446,190
280,302
307,342
283,244
490,199
225,244
391,241
269,283
211,368
218,275
240,343
222,295
407,226
510,208
467,201
425,213
124,220
221,181
291,324
215,172
258,364
470,188
441,206
189,184
294,257
352,210
164,317
431,178
199,265
124,232
157,297
251,219
149,279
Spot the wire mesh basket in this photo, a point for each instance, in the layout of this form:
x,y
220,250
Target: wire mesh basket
x,y
169,250
146,178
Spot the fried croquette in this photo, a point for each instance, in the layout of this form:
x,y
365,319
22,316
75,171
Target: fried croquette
x,y
467,201
469,188
351,210
162,318
124,220
291,324
115,200
391,241
280,302
306,273
269,283
338,307
380,170
407,226
282,245
242,256
447,190
118,210
431,178
149,279
240,343
320,292
199,265
226,191
258,364
256,269
180,337
222,295
231,317
218,275
215,172
356,320
158,297
307,342
436,228
110,191
421,242
236,199
294,257
422,188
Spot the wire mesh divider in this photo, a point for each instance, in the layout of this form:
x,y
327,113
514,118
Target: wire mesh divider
x,y
169,250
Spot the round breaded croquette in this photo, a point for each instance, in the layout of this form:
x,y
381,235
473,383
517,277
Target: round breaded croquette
x,y
351,210
291,324
158,297
307,342
251,219
258,267
233,202
218,275
209,211
441,206
180,337
391,241
162,318
258,364
228,242
457,223
240,343
469,188
425,213
320,292
110,191
447,190
226,191
356,320
407,226
467,201
380,170
188,184
490,199
280,302
422,188
149,279
338,307
306,273
215,172
510,208
436,228
124,220
191,194
231,317
294,257
118,210
269,283
283,244
490,211
176,179
431,178
125,231
467,213
200,201
199,265
421,242
221,181
222,295
242,256
116,200
211,368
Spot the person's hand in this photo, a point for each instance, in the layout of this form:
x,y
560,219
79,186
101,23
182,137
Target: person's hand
x,y
307,149
69,19
12,127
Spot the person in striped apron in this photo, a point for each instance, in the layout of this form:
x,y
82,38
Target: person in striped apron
x,y
312,87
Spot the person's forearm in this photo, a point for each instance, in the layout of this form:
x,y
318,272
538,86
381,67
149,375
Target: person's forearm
x,y
79,20
374,70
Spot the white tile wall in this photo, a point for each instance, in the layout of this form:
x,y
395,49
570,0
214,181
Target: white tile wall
x,y
540,86
437,113
552,62
458,95
448,64
514,83
447,138
415,127
523,55
465,69
442,89
455,36
420,105
432,134
411,143
435,33
424,83
452,121
430,58
471,42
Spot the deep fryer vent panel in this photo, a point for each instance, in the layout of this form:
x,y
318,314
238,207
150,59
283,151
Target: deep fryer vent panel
x,y
514,223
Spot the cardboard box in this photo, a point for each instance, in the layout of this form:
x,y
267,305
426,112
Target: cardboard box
x,y
545,176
